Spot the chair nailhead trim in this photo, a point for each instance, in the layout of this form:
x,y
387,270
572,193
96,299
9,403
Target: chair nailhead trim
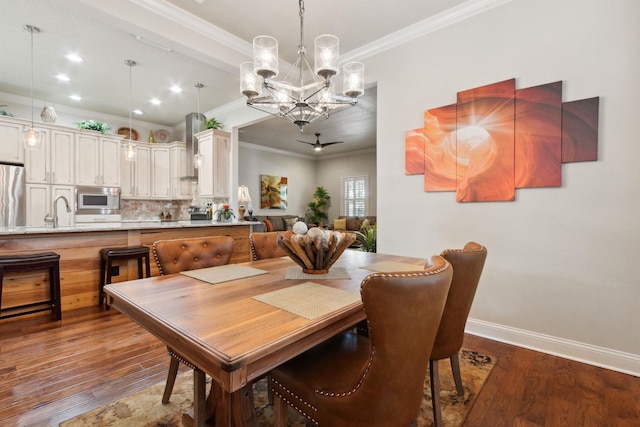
x,y
181,359
294,406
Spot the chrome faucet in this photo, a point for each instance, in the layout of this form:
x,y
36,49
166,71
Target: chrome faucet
x,y
52,221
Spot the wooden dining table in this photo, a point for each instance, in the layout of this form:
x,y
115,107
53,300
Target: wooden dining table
x,y
225,331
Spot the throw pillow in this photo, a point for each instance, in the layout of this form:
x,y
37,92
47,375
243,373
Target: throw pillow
x,y
277,222
267,224
289,222
340,224
365,224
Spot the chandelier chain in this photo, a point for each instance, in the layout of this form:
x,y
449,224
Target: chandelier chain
x,y
301,4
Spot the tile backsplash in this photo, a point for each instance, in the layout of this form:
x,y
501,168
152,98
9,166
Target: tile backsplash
x,y
151,209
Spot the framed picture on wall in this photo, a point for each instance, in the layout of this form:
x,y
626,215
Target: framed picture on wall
x,y
273,192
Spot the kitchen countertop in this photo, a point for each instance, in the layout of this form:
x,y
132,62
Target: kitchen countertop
x,y
120,226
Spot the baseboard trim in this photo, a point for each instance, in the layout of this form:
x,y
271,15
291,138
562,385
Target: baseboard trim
x,y
626,363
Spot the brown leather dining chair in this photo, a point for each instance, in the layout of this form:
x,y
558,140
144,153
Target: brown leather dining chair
x,y
176,255
351,380
467,267
265,245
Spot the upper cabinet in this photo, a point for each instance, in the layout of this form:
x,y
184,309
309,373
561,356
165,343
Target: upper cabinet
x,y
136,177
214,176
53,162
11,140
156,173
180,186
97,159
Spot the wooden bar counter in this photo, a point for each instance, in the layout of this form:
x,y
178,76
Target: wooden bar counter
x,y
79,248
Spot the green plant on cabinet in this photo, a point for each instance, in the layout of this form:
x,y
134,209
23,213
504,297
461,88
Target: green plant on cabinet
x,y
93,125
212,123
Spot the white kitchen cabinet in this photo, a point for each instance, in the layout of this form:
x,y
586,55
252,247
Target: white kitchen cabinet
x,y
53,162
180,187
98,159
160,172
213,176
11,149
40,198
136,177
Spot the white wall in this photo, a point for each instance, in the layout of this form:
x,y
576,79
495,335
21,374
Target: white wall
x,y
254,161
562,273
332,169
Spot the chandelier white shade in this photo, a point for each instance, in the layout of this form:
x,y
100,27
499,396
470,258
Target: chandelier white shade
x,y
31,137
305,94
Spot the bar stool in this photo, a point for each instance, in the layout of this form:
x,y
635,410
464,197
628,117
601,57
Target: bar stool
x,y
30,262
108,255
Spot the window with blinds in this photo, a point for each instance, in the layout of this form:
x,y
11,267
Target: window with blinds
x,y
354,195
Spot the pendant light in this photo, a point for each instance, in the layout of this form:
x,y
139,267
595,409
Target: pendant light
x,y
130,151
32,138
198,159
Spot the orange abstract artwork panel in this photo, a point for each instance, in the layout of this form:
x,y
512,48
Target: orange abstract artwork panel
x,y
440,149
580,130
414,141
485,143
539,136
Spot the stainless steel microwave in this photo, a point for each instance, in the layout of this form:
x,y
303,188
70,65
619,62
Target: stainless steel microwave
x,y
97,200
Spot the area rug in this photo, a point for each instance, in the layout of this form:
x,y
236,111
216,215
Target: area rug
x,y
144,409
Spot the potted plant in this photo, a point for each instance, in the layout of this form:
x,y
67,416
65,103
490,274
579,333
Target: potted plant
x,y
93,125
3,112
317,207
366,238
212,123
225,214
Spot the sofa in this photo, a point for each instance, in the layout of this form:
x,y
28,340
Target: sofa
x,y
277,222
352,223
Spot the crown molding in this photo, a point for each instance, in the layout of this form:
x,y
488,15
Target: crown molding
x,y
448,17
419,29
181,17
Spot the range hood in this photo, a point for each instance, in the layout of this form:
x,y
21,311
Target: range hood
x,y
195,123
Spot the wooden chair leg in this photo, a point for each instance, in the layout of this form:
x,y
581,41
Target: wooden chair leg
x,y
269,391
199,397
174,364
280,412
435,392
457,378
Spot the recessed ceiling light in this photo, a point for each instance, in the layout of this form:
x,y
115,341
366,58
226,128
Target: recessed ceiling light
x,y
155,101
63,78
138,112
76,97
74,58
176,89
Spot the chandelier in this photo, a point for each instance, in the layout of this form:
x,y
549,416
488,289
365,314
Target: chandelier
x,y
304,95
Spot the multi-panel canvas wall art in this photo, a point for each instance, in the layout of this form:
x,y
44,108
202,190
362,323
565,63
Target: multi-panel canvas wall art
x,y
497,138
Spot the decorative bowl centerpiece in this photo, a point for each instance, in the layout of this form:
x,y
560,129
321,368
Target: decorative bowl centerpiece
x,y
314,249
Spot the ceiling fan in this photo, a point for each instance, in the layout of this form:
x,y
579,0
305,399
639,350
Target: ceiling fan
x,y
318,146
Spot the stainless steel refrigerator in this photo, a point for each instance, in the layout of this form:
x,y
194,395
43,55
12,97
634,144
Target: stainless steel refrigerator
x,y
13,209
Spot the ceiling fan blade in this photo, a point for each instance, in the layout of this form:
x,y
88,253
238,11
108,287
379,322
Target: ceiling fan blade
x,y
305,142
331,143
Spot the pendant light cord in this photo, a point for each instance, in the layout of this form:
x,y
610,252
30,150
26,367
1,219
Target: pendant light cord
x,y
129,101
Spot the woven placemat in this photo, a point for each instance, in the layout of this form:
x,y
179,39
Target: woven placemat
x,y
392,266
309,300
295,272
223,273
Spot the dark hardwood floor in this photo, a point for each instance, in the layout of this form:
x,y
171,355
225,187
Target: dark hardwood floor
x,y
52,371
